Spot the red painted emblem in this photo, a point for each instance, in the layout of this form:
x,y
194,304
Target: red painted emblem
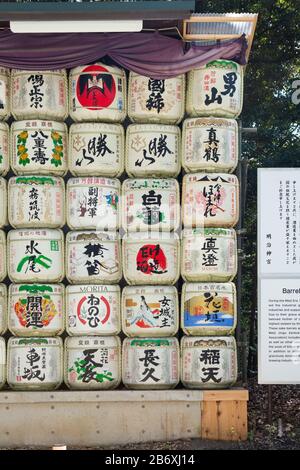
x,y
96,88
151,260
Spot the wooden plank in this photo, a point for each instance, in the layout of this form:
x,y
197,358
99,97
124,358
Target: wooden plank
x,y
226,395
224,420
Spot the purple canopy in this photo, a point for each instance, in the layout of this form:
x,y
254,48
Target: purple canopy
x,y
149,54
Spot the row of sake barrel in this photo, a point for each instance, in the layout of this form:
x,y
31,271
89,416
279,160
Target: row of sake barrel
x,y
98,92
95,363
47,309
207,255
99,149
208,200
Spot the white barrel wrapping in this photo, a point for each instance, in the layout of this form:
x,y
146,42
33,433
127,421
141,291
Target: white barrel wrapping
x,y
39,94
92,363
209,255
93,310
93,203
39,147
150,311
151,258
150,205
35,256
97,93
210,200
2,362
4,93
93,257
34,363
208,362
152,150
3,265
36,202
210,145
153,100
4,147
150,363
3,202
96,149
215,89
36,309
208,309
3,308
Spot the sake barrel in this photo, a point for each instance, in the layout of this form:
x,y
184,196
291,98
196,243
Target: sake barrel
x,y
39,147
4,93
208,309
93,203
92,363
97,93
150,205
35,255
3,265
39,94
96,149
152,150
209,255
4,147
2,362
93,310
151,258
150,311
3,308
150,363
36,309
215,89
210,145
93,257
36,201
34,363
153,100
208,362
3,202
210,200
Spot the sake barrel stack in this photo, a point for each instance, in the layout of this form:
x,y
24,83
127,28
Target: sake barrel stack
x,y
156,100
151,258
3,308
97,92
93,257
3,264
210,145
4,148
208,362
36,202
93,203
209,255
34,363
210,200
35,256
3,202
2,362
150,363
93,310
150,205
92,362
39,94
96,149
208,309
150,311
4,93
215,89
39,147
36,309
153,150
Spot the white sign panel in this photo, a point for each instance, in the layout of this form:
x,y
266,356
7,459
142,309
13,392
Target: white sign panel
x,y
278,275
